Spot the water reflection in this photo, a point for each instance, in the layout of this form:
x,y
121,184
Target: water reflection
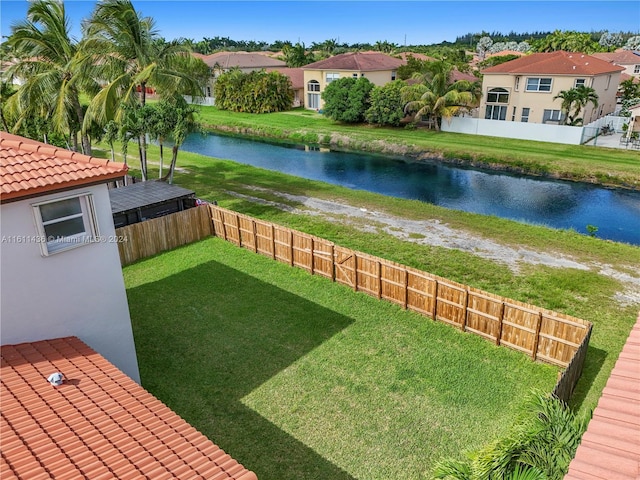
x,y
557,204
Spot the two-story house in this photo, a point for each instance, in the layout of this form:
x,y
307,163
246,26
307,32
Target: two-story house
x,y
525,89
377,67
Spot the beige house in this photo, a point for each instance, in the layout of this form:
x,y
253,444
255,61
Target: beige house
x,y
628,59
246,62
377,67
524,89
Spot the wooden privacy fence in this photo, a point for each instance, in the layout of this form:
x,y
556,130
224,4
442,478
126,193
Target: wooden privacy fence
x,y
542,334
144,239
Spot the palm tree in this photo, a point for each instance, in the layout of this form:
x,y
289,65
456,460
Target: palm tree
x,y
577,99
133,57
436,97
585,96
569,98
54,68
184,125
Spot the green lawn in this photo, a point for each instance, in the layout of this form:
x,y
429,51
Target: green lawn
x,y
586,294
262,403
301,378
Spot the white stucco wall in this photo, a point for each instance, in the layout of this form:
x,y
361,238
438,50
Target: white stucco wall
x,y
523,131
77,292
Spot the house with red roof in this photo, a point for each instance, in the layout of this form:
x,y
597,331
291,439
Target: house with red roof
x,y
377,67
96,423
524,89
61,271
246,62
628,59
72,406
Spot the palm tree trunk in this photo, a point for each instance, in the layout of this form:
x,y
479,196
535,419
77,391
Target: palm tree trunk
x,y
86,141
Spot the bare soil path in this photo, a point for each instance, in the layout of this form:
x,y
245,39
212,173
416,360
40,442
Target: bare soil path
x,y
436,233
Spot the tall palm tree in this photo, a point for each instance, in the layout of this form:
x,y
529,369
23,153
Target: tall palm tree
x,y
54,68
133,57
435,97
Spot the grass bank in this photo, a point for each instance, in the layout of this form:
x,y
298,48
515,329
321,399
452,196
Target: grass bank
x,y
605,166
301,378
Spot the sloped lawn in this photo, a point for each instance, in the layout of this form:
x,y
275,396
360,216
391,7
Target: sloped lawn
x,y
300,378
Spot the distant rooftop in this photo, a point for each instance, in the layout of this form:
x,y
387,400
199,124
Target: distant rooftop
x,y
99,424
357,61
555,63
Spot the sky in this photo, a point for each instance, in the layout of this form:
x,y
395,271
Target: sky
x,y
401,22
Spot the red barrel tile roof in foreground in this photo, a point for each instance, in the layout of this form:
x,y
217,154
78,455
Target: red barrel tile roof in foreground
x,y
29,168
99,424
610,448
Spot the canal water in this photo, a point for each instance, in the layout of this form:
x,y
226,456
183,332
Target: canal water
x,y
556,204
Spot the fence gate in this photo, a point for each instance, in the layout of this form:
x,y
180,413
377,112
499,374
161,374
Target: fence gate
x,y
345,267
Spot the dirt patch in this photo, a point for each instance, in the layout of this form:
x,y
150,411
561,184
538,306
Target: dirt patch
x,y
436,233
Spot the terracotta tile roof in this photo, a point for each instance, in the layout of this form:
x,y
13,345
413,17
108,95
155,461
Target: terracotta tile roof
x,y
555,63
357,61
242,60
621,57
29,168
295,74
457,75
99,424
610,448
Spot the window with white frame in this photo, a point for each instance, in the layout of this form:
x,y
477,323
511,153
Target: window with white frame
x,y
66,223
551,116
525,115
393,75
580,82
608,82
536,84
313,100
636,69
313,86
496,112
498,95
354,75
330,77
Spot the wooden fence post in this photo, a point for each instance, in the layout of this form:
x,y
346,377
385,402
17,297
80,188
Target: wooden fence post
x,y
434,307
224,227
312,255
536,340
333,262
379,273
255,236
500,320
291,247
273,242
463,327
355,272
238,228
405,300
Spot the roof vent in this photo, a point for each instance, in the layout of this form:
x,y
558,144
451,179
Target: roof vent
x,y
56,379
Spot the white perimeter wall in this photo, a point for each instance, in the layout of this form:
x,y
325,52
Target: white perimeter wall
x,y
523,131
78,292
